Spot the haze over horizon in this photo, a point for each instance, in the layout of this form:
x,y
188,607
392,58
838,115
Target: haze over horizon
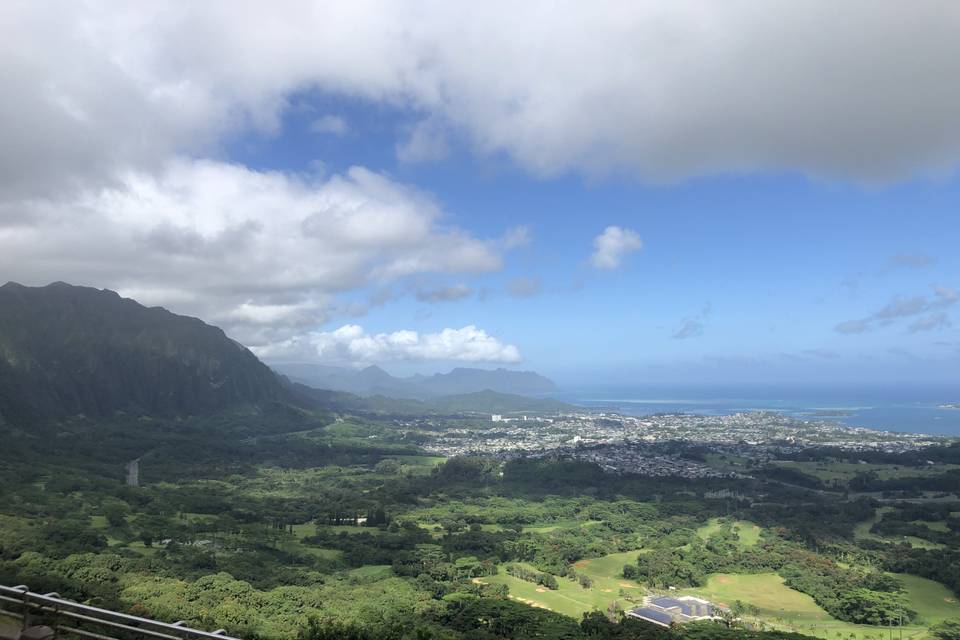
x,y
744,197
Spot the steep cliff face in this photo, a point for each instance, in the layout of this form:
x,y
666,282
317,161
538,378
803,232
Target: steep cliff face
x,y
67,350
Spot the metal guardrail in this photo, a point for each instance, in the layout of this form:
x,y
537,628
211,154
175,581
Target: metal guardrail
x,y
72,619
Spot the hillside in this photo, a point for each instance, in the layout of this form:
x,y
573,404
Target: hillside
x,y
67,350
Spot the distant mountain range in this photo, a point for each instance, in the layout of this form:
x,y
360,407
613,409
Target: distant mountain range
x,y
375,381
67,351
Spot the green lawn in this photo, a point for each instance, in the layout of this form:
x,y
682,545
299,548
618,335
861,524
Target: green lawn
x,y
749,533
930,599
377,571
845,471
610,566
570,599
421,461
862,531
559,524
935,525
784,608
295,546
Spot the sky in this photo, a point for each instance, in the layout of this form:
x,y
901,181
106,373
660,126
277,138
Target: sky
x,y
662,191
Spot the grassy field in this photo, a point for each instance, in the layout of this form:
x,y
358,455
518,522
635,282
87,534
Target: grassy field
x,y
780,606
862,531
295,546
749,533
610,566
570,598
933,601
845,471
559,524
784,608
936,525
428,462
373,571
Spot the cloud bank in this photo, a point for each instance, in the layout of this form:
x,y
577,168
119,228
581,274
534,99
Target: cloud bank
x,y
352,344
262,253
663,90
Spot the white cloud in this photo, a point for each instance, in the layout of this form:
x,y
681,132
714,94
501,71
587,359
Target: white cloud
x,y
899,307
426,143
331,124
612,245
262,253
352,344
664,89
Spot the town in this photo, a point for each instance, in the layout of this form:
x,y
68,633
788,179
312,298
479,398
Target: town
x,y
656,445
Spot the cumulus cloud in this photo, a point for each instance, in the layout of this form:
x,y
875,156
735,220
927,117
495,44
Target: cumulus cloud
x,y
352,344
263,253
612,245
905,307
697,88
331,124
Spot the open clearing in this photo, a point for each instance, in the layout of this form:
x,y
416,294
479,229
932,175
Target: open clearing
x,y
610,566
559,524
780,606
785,608
748,532
569,599
933,601
862,531
845,471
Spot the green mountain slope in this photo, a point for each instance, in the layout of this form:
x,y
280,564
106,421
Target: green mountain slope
x,y
67,350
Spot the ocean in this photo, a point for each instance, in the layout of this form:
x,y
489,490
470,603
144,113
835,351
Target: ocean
x,y
901,408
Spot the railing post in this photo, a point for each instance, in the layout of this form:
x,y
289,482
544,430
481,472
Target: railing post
x,y
26,607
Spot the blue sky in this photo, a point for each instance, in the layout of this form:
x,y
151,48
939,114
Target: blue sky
x,y
761,268
568,191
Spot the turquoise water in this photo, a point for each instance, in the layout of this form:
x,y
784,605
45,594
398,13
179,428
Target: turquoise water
x,y
909,409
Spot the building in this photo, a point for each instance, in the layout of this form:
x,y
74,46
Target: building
x,y
496,417
667,610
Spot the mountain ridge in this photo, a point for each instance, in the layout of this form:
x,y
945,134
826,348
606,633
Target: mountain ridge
x,y
373,380
69,350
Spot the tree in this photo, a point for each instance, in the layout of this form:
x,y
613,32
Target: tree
x,y
947,630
